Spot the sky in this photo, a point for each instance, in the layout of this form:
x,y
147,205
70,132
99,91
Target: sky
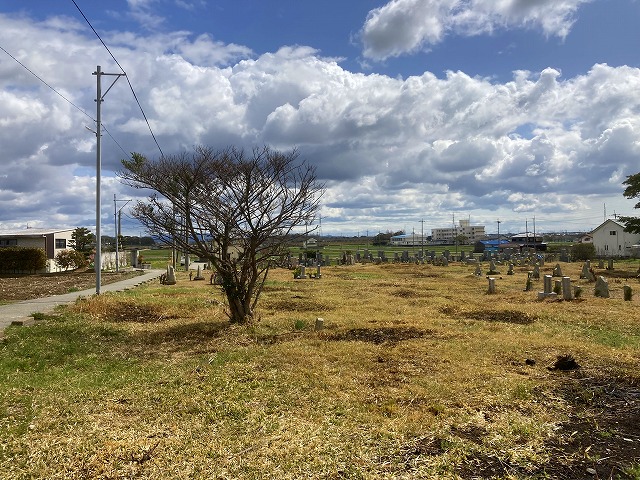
x,y
517,111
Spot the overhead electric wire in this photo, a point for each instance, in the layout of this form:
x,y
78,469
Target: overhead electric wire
x,y
125,74
63,97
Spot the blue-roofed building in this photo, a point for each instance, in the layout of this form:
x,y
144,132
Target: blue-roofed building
x,y
492,246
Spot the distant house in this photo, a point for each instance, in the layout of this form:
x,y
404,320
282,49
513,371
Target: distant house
x,y
586,238
409,240
610,240
310,243
51,241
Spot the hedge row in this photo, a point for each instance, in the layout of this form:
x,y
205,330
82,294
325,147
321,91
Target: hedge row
x,y
22,259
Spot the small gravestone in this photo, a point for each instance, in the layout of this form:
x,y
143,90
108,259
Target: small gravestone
x,y
628,293
566,288
577,291
610,264
445,261
510,271
478,272
557,287
198,274
492,285
585,269
318,272
601,264
602,288
557,271
536,272
303,272
548,292
319,323
529,285
171,276
492,268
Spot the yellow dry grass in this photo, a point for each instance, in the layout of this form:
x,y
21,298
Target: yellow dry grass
x,y
418,373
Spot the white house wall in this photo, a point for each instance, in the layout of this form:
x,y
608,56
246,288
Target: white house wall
x,y
616,244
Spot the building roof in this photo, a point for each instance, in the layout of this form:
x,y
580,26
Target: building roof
x,y
408,235
607,221
33,232
494,242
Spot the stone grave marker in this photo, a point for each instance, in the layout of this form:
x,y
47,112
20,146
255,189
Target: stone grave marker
x,y
529,285
171,276
585,269
198,274
303,272
492,285
548,288
566,288
536,272
564,255
557,271
478,272
601,288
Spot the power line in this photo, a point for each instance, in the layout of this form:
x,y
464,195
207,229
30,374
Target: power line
x,y
35,75
63,97
125,73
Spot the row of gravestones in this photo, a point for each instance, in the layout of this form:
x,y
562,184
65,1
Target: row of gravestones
x,y
562,286
509,255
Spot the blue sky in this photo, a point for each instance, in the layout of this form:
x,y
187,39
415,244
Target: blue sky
x,y
410,109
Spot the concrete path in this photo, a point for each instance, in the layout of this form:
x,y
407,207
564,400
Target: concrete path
x,y
21,312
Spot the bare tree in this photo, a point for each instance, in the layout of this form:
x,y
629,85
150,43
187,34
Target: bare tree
x,y
235,210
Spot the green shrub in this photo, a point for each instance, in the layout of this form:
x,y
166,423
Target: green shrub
x,y
583,251
22,259
67,259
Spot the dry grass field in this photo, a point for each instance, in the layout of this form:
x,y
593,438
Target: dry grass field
x,y
417,373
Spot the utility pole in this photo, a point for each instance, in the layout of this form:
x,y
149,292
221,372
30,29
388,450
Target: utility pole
x,y
117,215
422,239
99,99
534,233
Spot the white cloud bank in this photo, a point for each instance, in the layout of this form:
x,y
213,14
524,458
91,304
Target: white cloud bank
x,y
391,150
406,26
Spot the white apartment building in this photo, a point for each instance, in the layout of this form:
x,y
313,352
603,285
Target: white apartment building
x,y
473,233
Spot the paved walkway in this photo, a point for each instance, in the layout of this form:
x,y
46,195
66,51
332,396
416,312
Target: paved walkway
x,y
21,312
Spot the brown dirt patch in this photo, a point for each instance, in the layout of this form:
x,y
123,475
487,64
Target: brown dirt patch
x,y
504,316
599,439
405,293
297,303
14,288
602,432
136,312
378,336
